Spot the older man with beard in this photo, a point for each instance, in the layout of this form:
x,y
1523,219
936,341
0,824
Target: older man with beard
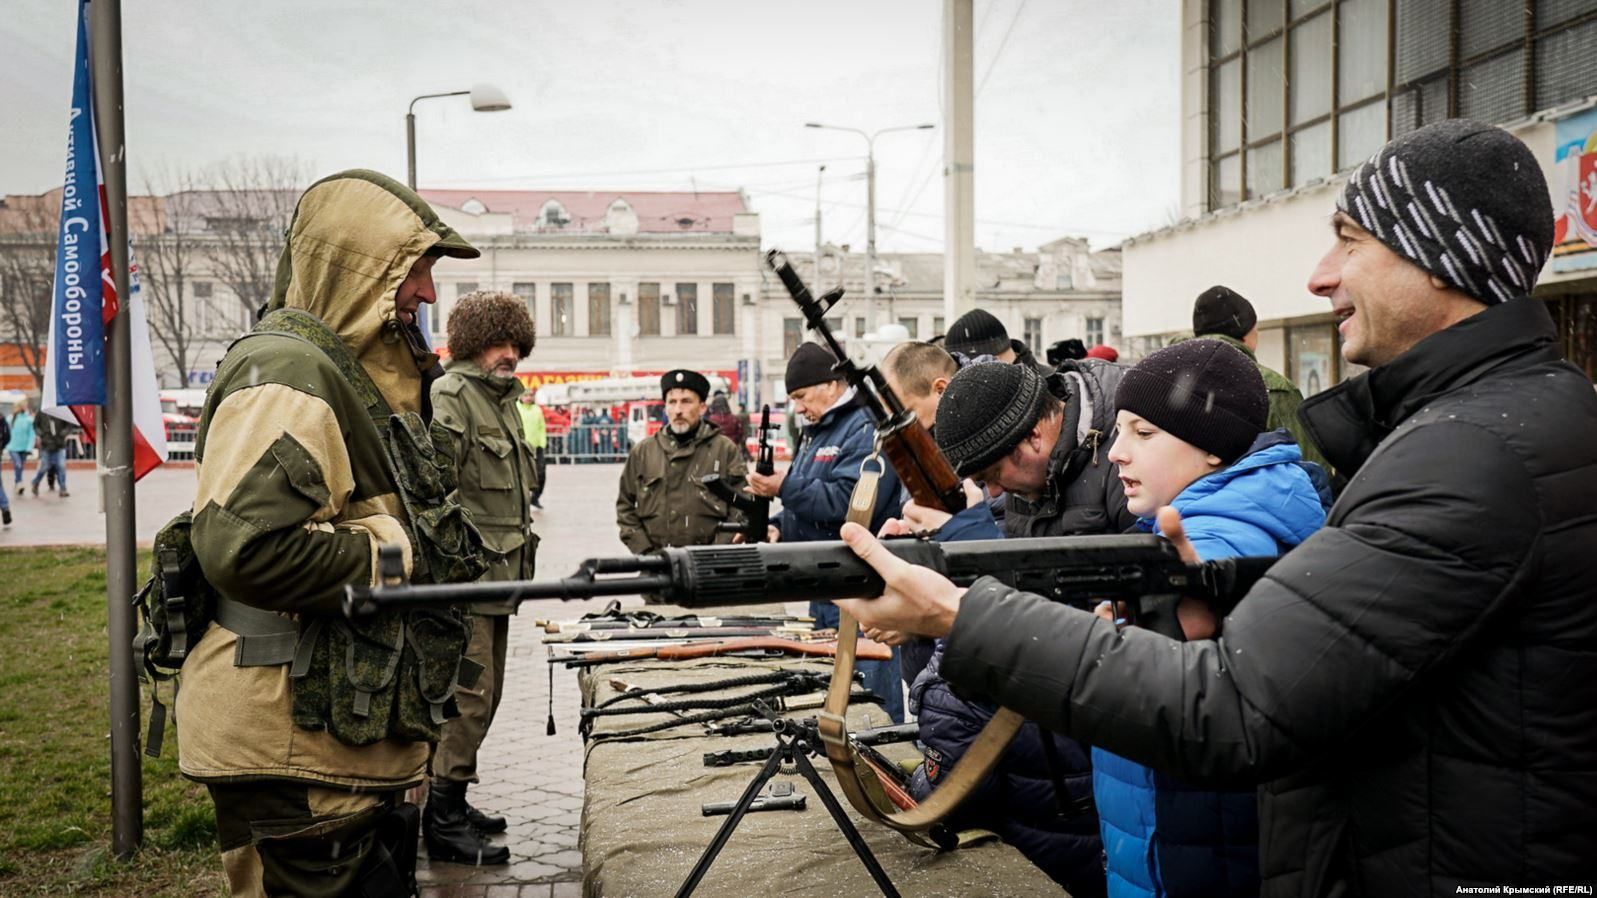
x,y
663,501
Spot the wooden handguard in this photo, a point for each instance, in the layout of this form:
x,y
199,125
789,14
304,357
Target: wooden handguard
x,y
921,467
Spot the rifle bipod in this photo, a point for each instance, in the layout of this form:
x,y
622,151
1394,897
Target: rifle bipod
x,y
792,749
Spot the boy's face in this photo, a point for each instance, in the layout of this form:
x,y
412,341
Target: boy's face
x,y
1155,466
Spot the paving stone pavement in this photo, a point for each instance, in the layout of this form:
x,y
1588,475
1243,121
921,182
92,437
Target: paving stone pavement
x,y
533,779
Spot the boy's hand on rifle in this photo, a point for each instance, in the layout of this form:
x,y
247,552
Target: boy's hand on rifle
x,y
918,600
1170,528
766,485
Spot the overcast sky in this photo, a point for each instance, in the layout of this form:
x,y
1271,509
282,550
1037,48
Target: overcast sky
x,y
1077,110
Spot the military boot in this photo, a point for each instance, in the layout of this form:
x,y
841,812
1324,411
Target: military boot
x,y
449,835
488,824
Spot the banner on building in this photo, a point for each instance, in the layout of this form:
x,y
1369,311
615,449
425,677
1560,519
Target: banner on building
x,y
84,300
536,379
1575,207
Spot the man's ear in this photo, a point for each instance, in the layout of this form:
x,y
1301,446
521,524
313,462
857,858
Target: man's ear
x,y
1440,284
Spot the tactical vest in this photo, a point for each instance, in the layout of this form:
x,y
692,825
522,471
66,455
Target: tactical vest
x,y
390,676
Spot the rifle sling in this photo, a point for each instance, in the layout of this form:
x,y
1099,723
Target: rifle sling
x,y
860,783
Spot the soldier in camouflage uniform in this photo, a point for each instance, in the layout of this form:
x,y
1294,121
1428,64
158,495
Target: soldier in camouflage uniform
x,y
475,400
312,451
663,501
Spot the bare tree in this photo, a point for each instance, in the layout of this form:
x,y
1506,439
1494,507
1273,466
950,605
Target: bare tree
x,y
170,256
27,275
246,213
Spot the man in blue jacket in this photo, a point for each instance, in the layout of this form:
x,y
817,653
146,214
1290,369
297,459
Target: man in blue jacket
x,y
815,490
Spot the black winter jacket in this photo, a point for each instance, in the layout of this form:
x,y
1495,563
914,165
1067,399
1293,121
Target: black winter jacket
x,y
1084,494
1415,685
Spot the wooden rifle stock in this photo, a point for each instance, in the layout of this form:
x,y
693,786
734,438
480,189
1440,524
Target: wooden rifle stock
x,y
924,471
869,651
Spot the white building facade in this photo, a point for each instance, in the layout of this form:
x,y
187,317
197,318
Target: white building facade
x,y
1282,98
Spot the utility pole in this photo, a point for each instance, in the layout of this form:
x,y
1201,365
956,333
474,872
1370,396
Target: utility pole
x,y
959,161
127,774
816,280
870,209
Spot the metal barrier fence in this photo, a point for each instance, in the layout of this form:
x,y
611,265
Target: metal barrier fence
x,y
583,444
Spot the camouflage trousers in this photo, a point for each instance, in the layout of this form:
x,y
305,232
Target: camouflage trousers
x,y
455,758
292,839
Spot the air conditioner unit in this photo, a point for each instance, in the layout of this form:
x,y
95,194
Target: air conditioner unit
x,y
668,299
622,299
748,299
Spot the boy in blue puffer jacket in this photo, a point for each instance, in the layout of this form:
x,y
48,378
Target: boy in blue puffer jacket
x,y
1189,436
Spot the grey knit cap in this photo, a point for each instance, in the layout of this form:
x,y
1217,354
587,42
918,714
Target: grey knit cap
x,y
986,411
1467,202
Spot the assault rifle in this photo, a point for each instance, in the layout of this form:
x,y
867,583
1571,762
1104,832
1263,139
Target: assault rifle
x,y
756,509
1144,572
909,448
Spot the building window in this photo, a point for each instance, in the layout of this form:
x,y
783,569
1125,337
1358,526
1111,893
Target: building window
x,y
1033,332
649,309
792,336
598,310
834,325
722,310
937,325
561,320
1094,332
203,289
1297,91
529,294
687,308
859,325
1493,62
912,325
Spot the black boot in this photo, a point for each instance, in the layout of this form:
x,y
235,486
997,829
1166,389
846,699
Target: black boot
x,y
485,823
449,835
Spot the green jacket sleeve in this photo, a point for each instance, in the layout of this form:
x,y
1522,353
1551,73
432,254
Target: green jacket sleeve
x,y
632,533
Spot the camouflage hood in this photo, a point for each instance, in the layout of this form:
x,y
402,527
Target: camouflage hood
x,y
353,240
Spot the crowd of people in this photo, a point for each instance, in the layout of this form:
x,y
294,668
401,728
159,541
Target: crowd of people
x,y
1403,705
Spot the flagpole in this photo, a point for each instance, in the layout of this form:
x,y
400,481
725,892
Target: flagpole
x,y
127,787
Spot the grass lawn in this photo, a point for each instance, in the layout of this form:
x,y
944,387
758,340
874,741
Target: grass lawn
x,y
55,756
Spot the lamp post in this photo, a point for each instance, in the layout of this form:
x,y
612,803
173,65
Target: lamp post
x,y
484,98
870,207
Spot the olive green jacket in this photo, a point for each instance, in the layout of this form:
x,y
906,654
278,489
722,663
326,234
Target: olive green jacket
x,y
496,473
663,501
1284,402
295,494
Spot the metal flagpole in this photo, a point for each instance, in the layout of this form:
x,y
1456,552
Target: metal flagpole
x,y
127,787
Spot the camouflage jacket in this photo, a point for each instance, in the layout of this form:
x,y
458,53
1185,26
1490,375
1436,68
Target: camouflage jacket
x,y
496,471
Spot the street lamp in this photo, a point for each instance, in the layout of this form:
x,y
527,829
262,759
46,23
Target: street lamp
x,y
484,98
870,207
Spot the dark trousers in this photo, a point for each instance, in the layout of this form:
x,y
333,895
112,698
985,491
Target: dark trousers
x,y
541,466
296,840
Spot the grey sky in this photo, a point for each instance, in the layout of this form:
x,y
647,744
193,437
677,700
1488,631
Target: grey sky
x,y
1077,111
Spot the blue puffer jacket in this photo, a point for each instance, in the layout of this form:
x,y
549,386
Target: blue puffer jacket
x,y
820,481
1161,837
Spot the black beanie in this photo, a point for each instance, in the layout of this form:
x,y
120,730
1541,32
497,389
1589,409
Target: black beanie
x,y
987,409
684,379
1467,202
1205,392
977,332
1221,310
809,365
1071,349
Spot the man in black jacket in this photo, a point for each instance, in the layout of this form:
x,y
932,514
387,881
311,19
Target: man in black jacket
x,y
1415,686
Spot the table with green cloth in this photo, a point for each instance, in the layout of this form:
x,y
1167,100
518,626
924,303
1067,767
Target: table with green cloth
x,y
643,830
